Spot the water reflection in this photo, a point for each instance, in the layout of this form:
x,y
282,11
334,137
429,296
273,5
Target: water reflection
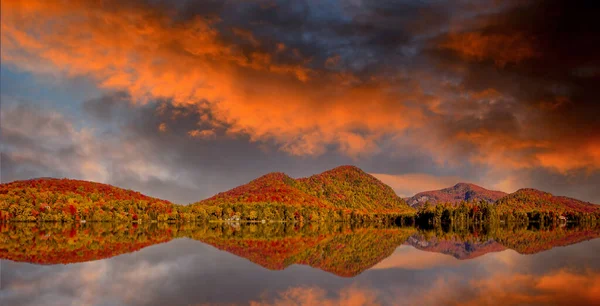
x,y
282,264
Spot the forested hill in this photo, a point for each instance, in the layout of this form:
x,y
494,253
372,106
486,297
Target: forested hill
x,y
349,187
345,188
49,199
529,200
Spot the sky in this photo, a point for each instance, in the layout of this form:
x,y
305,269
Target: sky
x,y
184,99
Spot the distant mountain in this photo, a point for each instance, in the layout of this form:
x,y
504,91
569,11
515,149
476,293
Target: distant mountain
x,y
528,200
455,194
344,187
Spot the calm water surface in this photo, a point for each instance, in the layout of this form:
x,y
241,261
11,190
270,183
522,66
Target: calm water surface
x,y
278,264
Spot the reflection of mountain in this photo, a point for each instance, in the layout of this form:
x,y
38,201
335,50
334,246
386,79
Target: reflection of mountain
x,y
339,248
57,243
456,247
534,241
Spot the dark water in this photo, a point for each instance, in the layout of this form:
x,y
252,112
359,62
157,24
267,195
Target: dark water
x,y
279,264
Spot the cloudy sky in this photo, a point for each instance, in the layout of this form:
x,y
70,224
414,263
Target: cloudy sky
x,y
183,99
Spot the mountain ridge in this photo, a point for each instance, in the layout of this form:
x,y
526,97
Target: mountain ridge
x,y
344,187
345,193
455,194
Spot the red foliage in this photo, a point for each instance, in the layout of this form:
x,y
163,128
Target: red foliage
x,y
72,209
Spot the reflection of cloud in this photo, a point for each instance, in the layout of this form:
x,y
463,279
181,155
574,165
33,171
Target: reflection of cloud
x,y
306,296
185,272
407,257
555,288
86,280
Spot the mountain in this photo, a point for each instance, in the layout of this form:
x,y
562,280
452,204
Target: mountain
x,y
342,188
529,200
50,199
455,194
350,187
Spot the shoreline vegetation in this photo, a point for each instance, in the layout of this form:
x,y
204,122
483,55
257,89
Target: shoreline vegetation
x,y
344,194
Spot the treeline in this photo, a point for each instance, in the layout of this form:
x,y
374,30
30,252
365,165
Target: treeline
x,y
70,207
468,213
282,212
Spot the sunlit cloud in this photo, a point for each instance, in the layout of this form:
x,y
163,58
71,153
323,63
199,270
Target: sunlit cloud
x,y
473,85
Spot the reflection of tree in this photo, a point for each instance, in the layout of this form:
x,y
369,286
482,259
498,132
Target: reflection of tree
x,y
531,241
352,252
333,247
340,248
58,243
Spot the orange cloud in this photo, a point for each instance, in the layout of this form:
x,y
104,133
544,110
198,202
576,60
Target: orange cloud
x,y
500,48
302,108
307,296
518,152
407,257
138,49
555,288
202,134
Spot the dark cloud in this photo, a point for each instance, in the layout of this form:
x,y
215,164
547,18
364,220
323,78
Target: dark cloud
x,y
550,52
105,107
203,96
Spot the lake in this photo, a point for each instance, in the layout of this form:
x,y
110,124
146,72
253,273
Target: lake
x,y
295,264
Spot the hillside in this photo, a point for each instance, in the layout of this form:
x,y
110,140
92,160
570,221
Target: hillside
x,y
530,200
49,199
455,194
349,187
332,195
274,187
